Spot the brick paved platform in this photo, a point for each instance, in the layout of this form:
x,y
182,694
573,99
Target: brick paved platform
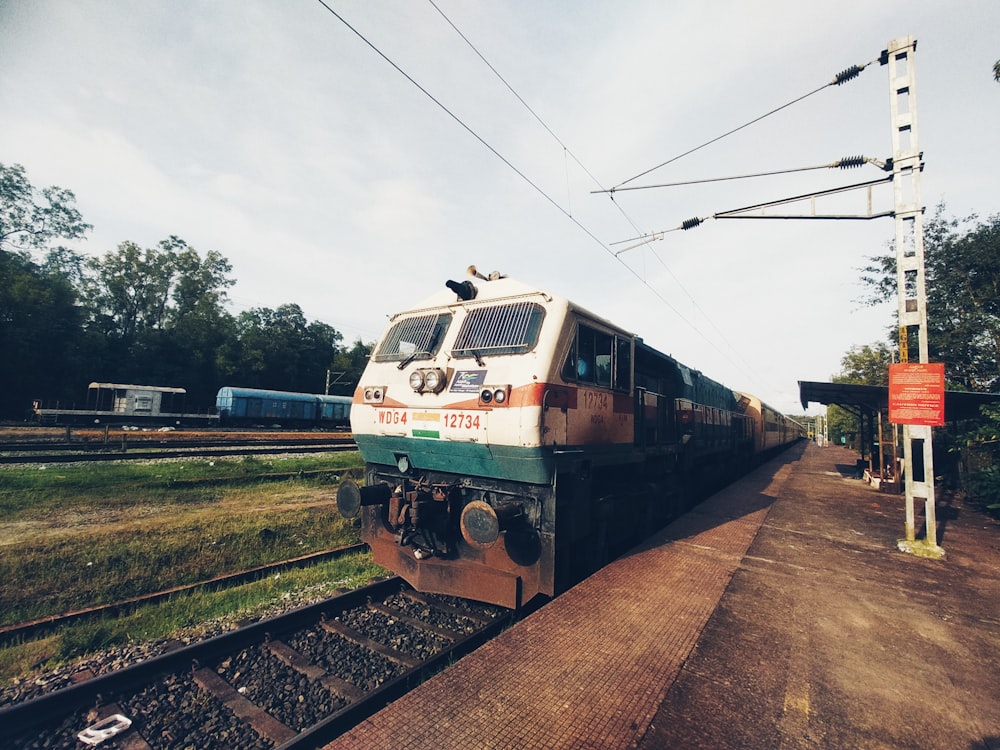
x,y
777,614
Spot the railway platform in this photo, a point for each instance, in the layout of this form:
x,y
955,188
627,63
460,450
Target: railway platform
x,y
777,614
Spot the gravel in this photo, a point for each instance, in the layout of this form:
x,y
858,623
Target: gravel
x,y
48,681
287,695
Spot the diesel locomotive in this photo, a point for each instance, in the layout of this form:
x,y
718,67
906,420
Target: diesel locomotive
x,y
515,442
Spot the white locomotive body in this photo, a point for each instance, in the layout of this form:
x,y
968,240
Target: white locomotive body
x,y
514,442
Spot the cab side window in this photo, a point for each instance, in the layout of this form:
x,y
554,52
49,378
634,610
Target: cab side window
x,y
599,358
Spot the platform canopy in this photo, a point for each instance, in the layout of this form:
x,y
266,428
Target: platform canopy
x,y
958,405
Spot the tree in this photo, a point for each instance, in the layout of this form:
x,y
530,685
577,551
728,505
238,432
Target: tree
x,y
279,349
31,219
127,291
350,363
962,270
40,332
864,365
40,321
200,284
160,314
152,315
319,350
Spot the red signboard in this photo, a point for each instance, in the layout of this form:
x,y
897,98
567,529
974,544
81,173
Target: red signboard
x,y
916,394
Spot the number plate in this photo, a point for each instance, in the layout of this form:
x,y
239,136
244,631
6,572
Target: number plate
x,y
455,424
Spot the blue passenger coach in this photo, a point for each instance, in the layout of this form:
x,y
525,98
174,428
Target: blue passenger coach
x,y
251,405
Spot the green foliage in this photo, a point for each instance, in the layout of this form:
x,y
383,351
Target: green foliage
x,y
348,364
39,333
984,488
861,365
865,365
39,317
981,445
33,219
962,271
280,349
148,315
987,428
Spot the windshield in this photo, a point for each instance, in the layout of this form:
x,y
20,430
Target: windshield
x,y
414,338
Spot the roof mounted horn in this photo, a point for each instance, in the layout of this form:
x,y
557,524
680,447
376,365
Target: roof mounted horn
x,y
494,275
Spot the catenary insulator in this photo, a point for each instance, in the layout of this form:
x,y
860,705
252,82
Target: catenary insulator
x,y
690,223
850,162
846,75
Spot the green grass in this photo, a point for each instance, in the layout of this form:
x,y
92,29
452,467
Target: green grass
x,y
52,487
185,611
127,558
72,537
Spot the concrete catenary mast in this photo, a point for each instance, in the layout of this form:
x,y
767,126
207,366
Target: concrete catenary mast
x,y
911,292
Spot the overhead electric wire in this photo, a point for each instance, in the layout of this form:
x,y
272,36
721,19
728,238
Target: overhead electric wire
x,y
462,123
538,189
597,182
846,163
841,78
566,149
732,213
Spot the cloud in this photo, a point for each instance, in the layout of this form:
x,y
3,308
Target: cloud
x,y
274,135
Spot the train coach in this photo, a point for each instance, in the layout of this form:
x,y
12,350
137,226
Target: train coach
x,y
515,442
243,406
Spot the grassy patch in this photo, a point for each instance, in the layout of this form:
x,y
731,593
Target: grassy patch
x,y
40,489
72,537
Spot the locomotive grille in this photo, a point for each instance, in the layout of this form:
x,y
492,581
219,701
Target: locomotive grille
x,y
500,329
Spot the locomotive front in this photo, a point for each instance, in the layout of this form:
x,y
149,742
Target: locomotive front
x,y
459,494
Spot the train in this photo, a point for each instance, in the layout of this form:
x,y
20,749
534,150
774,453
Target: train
x,y
123,403
254,406
515,442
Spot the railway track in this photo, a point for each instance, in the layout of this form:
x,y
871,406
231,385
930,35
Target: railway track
x,y
30,630
294,681
15,453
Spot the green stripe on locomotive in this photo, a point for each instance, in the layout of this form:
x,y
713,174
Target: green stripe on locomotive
x,y
533,465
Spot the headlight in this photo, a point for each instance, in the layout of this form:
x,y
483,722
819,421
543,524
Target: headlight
x,y
428,380
374,394
433,380
486,396
499,395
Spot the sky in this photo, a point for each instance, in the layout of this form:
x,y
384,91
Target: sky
x,y
352,157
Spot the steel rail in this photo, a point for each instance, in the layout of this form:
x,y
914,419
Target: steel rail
x,y
139,453
30,446
34,628
20,717
24,717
